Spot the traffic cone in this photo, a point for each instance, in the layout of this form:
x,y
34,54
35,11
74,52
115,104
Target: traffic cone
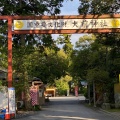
x,y
7,115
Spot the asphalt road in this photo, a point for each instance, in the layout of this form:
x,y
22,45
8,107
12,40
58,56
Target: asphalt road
x,y
69,108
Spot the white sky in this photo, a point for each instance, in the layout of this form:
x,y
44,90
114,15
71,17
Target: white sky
x,y
70,8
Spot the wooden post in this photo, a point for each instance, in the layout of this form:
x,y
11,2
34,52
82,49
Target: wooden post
x,y
89,94
94,94
9,52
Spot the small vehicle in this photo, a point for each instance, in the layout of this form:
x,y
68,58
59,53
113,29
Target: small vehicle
x,y
48,95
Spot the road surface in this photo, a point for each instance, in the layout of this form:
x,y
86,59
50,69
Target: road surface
x,y
69,108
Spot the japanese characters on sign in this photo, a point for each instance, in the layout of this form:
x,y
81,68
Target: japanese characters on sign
x,y
66,24
11,98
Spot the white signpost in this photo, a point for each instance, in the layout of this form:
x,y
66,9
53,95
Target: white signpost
x,y
66,24
3,97
11,100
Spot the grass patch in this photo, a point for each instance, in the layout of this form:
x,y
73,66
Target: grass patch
x,y
113,110
89,105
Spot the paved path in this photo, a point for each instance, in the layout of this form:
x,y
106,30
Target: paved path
x,y
69,108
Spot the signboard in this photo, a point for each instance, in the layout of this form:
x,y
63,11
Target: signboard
x,y
11,100
34,94
66,24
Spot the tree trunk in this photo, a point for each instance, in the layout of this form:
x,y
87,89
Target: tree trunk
x,y
94,95
27,101
89,94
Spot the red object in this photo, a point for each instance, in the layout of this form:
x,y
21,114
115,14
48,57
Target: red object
x,y
34,95
22,96
7,115
12,115
76,91
9,52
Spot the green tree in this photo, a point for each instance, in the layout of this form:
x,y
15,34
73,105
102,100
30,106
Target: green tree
x,y
67,46
108,43
98,7
81,56
95,62
49,67
24,45
62,84
65,40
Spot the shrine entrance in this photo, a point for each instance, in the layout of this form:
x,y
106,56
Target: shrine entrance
x,y
58,25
